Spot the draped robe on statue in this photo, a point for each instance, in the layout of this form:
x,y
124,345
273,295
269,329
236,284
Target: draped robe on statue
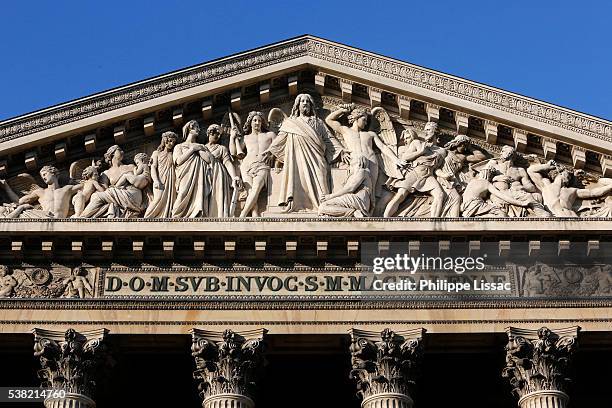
x,y
114,202
306,148
193,181
163,200
221,182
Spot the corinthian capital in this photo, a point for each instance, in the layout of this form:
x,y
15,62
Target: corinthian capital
x,y
538,360
71,361
386,362
227,362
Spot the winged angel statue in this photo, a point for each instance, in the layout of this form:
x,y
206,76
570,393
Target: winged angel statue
x,y
411,175
28,199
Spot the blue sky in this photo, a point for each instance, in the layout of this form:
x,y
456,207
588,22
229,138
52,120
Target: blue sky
x,y
557,51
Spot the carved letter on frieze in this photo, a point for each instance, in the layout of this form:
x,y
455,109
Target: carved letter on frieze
x,y
72,362
537,364
227,366
385,365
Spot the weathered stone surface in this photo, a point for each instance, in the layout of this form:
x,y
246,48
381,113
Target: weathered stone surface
x,y
386,364
73,362
227,365
537,363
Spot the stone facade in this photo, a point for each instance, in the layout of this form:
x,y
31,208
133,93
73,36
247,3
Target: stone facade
x,y
241,201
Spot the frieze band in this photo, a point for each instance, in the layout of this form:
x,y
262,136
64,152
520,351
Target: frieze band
x,y
355,163
510,282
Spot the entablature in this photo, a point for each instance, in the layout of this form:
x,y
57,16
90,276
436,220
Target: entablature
x,y
290,239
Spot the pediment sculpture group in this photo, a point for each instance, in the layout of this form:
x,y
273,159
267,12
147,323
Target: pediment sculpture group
x,y
413,175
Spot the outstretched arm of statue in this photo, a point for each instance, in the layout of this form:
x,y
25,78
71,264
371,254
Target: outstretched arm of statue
x,y
76,187
236,181
30,198
182,154
384,149
17,211
205,154
528,185
276,149
98,186
534,172
332,119
236,140
594,192
475,157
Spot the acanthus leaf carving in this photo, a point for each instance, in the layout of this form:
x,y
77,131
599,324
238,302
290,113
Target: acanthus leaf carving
x,y
72,361
387,363
539,360
228,362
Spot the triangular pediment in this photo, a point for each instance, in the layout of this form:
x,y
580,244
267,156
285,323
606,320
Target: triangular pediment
x,y
312,64
134,116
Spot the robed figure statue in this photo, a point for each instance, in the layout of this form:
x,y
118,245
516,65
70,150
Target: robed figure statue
x,y
306,148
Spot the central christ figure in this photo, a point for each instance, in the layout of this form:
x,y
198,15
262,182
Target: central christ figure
x,y
306,148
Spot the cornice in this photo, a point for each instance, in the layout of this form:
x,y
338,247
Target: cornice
x,y
461,88
348,324
299,304
317,49
151,88
303,226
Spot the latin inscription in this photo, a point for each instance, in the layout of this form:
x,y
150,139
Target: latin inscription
x,y
282,284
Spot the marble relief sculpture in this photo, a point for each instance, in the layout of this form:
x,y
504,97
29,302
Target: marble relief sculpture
x,y
477,197
77,284
164,178
454,174
254,169
557,193
89,185
603,206
354,198
141,176
360,141
422,157
12,208
119,201
53,201
192,161
306,148
225,183
229,175
7,282
516,181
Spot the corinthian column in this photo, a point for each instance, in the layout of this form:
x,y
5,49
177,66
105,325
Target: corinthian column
x,y
537,364
227,366
385,366
71,362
